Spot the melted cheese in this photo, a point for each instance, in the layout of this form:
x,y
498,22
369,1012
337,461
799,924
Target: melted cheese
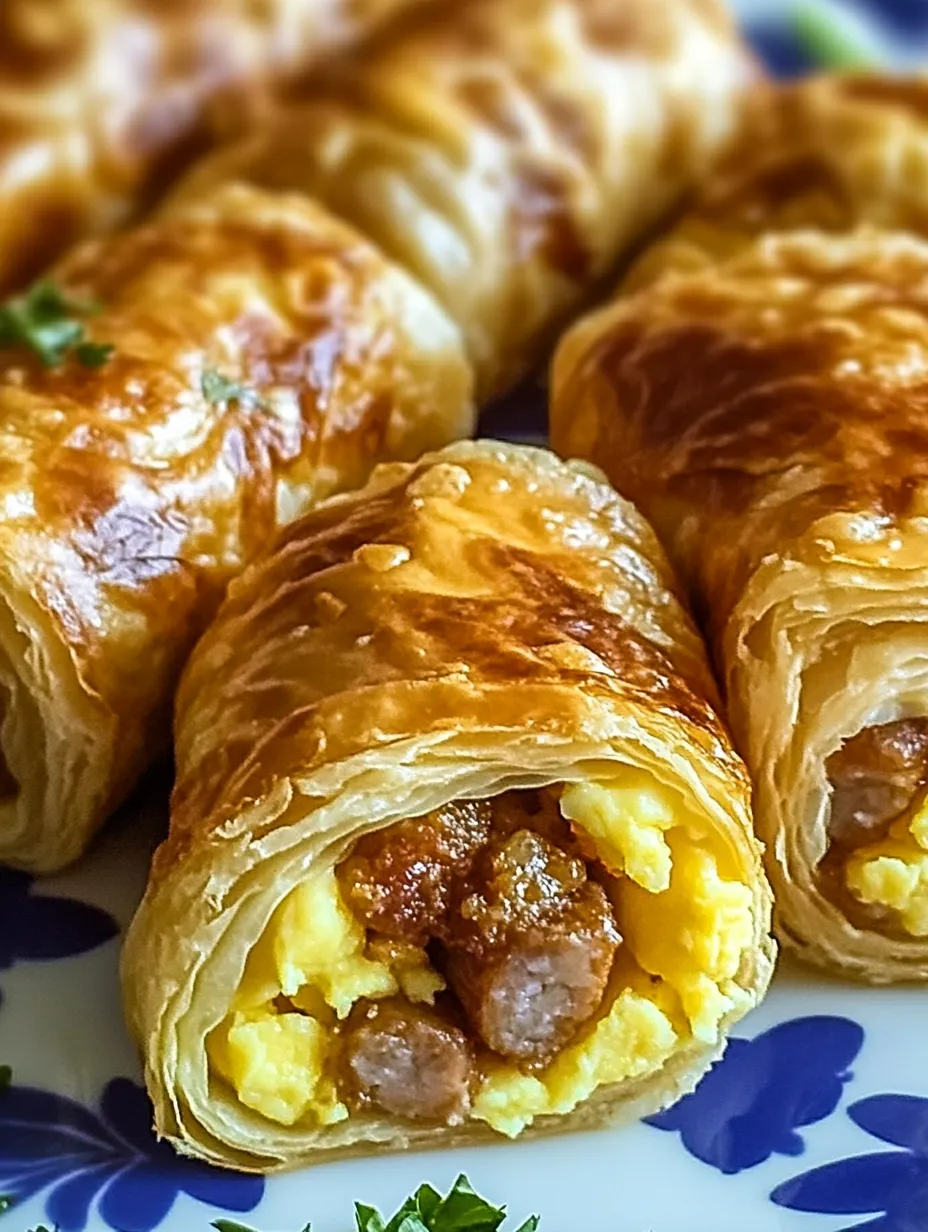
x,y
685,928
893,872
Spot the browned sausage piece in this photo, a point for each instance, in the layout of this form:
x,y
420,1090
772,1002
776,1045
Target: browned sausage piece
x,y
408,1061
530,947
399,881
874,777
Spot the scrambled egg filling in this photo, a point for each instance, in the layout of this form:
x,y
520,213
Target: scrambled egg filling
x,y
893,872
685,919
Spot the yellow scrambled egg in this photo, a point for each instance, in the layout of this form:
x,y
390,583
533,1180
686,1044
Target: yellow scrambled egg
x,y
893,872
685,926
313,954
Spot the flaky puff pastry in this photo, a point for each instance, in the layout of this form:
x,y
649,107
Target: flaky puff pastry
x,y
128,497
507,153
832,152
101,99
484,620
768,413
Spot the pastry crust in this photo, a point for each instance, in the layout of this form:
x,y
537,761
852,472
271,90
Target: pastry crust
x,y
130,499
269,288
483,619
101,100
507,154
828,152
767,412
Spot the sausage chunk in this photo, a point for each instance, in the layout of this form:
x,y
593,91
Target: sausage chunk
x,y
407,1061
399,881
874,778
530,947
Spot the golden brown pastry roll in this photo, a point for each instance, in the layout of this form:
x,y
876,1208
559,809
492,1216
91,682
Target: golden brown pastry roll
x,y
100,98
459,847
767,412
831,152
506,153
263,356
343,358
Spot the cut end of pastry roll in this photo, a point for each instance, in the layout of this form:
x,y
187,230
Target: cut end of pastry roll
x,y
459,847
768,413
263,357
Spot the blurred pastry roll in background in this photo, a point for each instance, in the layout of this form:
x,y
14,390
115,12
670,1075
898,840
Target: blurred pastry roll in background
x,y
761,391
459,846
102,101
253,352
507,153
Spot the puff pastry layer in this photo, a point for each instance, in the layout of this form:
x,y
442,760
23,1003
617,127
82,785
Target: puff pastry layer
x,y
484,625
101,100
760,391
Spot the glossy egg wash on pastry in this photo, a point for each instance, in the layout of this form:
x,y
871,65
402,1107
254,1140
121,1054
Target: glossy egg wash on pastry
x,y
876,865
495,960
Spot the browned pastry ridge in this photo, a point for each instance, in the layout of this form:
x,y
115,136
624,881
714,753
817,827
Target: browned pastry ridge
x,y
762,393
267,354
459,847
100,100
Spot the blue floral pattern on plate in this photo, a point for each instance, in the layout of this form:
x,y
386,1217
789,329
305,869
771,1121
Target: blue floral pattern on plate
x,y
893,1185
41,927
753,1102
50,1142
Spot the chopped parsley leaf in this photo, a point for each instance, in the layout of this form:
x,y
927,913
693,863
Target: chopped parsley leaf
x,y
221,391
46,321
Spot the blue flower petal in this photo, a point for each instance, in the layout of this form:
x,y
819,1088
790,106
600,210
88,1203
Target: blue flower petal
x,y
47,927
76,1125
126,1108
863,1185
899,1119
27,1182
68,1205
20,1142
138,1199
233,1191
14,887
751,1104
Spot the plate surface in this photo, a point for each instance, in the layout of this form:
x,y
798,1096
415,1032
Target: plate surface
x,y
816,1119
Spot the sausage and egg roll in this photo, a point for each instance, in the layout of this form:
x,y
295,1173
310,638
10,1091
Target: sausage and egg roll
x,y
506,153
100,99
764,399
265,355
459,846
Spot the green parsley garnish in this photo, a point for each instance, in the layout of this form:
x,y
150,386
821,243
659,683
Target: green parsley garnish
x,y
219,390
827,39
460,1210
45,320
